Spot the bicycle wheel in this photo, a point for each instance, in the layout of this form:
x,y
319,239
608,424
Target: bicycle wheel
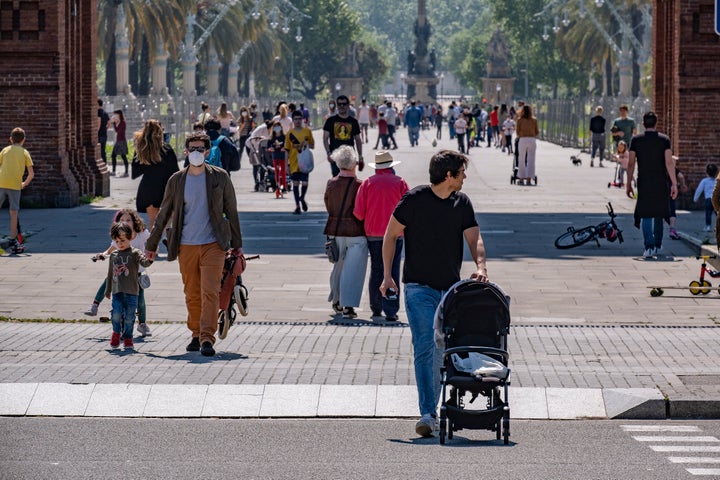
x,y
573,238
223,324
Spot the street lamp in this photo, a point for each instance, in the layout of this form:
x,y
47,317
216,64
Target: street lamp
x,y
402,86
298,35
498,87
338,87
442,86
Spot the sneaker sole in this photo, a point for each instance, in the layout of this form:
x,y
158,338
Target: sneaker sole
x,y
424,430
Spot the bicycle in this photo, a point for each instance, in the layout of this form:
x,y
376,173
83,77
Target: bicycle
x,y
696,287
607,230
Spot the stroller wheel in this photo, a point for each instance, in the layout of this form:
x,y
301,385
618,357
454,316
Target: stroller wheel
x,y
443,425
506,430
241,296
498,430
223,324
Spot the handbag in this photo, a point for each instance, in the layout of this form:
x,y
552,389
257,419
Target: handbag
x,y
306,163
331,247
144,281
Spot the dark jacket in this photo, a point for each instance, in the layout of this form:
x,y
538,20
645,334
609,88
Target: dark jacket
x,y
229,153
221,204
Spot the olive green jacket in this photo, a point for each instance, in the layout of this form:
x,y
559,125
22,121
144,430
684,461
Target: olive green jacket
x,y
222,206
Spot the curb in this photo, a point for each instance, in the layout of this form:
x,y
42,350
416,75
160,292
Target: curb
x,y
326,401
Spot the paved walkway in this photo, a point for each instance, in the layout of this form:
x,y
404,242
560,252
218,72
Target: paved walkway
x,y
585,329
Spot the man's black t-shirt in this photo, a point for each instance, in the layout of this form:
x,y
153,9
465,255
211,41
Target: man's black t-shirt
x,y
342,131
434,235
104,119
597,124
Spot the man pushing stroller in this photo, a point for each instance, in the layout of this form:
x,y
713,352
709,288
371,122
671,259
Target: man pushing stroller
x,y
421,214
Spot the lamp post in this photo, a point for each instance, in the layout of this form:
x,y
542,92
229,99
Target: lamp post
x,y
498,87
442,86
402,86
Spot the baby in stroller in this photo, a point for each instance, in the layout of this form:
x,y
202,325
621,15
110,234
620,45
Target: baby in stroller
x,y
261,160
471,327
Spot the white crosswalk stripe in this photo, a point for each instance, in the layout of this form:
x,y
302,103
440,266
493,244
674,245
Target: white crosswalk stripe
x,y
688,444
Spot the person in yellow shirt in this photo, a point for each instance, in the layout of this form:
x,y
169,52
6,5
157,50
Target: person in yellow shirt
x,y
296,140
14,160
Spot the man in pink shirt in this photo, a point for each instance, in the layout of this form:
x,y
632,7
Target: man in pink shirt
x,y
374,204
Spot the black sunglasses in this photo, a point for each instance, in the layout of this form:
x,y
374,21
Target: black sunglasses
x,y
342,104
196,149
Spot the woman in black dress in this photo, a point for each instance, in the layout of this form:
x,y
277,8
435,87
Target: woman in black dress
x,y
155,160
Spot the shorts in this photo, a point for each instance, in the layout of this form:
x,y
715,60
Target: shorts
x,y
299,177
13,197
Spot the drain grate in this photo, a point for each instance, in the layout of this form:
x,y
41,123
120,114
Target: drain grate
x,y
699,379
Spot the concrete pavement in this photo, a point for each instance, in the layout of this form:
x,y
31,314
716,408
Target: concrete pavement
x,y
587,340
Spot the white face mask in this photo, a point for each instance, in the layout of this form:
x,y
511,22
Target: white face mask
x,y
244,114
196,158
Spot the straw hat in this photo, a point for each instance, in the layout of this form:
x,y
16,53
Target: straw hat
x,y
383,159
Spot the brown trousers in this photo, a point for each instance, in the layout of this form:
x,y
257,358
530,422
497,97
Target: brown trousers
x,y
201,268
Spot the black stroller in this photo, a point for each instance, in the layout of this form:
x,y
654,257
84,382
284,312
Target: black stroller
x,y
473,320
516,159
261,161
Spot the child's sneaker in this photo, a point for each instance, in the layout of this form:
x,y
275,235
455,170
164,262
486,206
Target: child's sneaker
x,y
128,343
92,310
674,235
708,228
144,330
115,340
16,247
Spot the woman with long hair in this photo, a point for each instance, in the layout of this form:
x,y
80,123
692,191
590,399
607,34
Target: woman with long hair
x,y
155,160
225,117
246,124
527,132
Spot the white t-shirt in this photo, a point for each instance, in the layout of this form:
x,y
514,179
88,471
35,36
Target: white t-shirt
x,y
364,114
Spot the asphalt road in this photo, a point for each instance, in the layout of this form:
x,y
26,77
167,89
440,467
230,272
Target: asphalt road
x,y
62,448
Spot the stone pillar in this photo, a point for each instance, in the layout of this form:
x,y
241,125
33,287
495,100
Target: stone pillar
x,y
189,59
159,71
625,67
122,53
213,71
251,84
233,70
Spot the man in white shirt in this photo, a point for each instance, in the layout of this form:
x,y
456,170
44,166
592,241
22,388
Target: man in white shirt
x,y
364,119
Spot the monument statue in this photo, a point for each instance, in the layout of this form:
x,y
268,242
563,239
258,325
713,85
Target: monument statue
x,y
421,79
498,65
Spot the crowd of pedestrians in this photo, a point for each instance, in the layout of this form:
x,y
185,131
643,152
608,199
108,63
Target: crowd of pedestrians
x,y
193,210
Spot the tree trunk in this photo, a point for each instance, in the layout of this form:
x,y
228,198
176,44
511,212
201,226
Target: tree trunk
x,y
144,68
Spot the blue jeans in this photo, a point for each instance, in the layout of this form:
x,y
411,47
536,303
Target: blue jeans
x,y
124,306
378,303
421,302
652,230
142,308
414,133
709,210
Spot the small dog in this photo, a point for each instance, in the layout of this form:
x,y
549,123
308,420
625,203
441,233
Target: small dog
x,y
576,160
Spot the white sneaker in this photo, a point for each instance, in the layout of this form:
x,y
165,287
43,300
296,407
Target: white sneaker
x,y
425,426
708,228
144,330
657,251
92,310
649,252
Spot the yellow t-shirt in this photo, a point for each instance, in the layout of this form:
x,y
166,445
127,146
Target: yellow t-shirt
x,y
13,160
303,135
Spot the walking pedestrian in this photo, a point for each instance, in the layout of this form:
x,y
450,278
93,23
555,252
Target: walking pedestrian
x,y
653,155
342,129
434,219
122,284
597,136
297,139
623,127
527,131
376,199
156,162
348,274
14,162
705,189
412,118
200,203
120,148
103,120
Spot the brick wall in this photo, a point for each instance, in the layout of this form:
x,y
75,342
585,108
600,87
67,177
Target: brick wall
x,y
686,74
48,50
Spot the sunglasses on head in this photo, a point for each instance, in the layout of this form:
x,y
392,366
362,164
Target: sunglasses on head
x,y
196,149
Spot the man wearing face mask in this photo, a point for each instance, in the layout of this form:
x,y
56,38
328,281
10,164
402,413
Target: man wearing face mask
x,y
200,203
342,129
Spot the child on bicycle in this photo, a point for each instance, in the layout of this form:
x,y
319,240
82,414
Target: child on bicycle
x,y
122,283
140,234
